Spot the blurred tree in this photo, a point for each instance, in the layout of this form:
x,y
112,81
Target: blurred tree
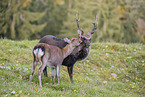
x,y
129,12
116,19
38,6
86,14
141,28
55,15
17,22
141,20
106,12
132,11
109,23
3,6
31,19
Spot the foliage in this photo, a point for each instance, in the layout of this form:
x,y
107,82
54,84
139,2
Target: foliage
x,y
111,69
16,22
115,18
56,14
109,24
32,19
132,11
141,28
87,16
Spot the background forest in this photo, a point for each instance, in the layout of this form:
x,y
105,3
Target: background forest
x,y
118,20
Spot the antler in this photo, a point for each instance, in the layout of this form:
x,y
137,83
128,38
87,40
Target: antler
x,y
95,26
77,20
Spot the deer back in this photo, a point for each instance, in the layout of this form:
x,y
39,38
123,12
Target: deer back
x,y
52,40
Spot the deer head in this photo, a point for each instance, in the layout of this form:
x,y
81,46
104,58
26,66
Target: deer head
x,y
85,37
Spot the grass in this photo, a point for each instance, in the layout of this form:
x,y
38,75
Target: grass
x,y
112,70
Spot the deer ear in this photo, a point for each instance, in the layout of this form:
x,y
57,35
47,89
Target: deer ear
x,y
67,40
79,33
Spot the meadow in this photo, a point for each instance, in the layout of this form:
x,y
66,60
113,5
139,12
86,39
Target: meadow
x,y
111,70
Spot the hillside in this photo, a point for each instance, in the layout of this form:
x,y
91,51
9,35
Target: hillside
x,y
111,70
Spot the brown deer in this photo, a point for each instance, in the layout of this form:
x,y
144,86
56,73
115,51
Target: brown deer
x,y
52,56
79,53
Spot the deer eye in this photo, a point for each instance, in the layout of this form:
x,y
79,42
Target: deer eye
x,y
84,38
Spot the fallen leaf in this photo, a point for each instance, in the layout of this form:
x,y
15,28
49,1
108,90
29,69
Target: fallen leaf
x,y
13,92
125,89
21,95
24,78
126,80
20,76
36,89
113,74
87,60
2,43
104,82
114,77
20,91
25,70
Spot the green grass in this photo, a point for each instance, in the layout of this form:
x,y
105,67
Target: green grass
x,y
92,77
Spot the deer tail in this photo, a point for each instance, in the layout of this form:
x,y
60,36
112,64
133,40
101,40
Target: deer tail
x,y
38,52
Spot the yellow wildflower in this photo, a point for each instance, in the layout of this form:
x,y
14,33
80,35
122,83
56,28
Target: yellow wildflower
x,y
114,77
125,89
21,95
36,89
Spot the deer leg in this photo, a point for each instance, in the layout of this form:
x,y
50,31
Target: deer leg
x,y
53,74
70,72
33,71
39,73
56,73
45,72
58,76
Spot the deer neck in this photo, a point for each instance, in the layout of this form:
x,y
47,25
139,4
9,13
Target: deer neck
x,y
67,50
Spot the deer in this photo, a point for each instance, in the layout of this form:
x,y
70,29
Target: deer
x,y
51,56
80,53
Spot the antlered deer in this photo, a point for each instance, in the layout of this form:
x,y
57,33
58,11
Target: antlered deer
x,y
79,53
52,56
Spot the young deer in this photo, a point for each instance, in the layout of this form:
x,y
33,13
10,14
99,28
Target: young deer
x,y
79,53
51,56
